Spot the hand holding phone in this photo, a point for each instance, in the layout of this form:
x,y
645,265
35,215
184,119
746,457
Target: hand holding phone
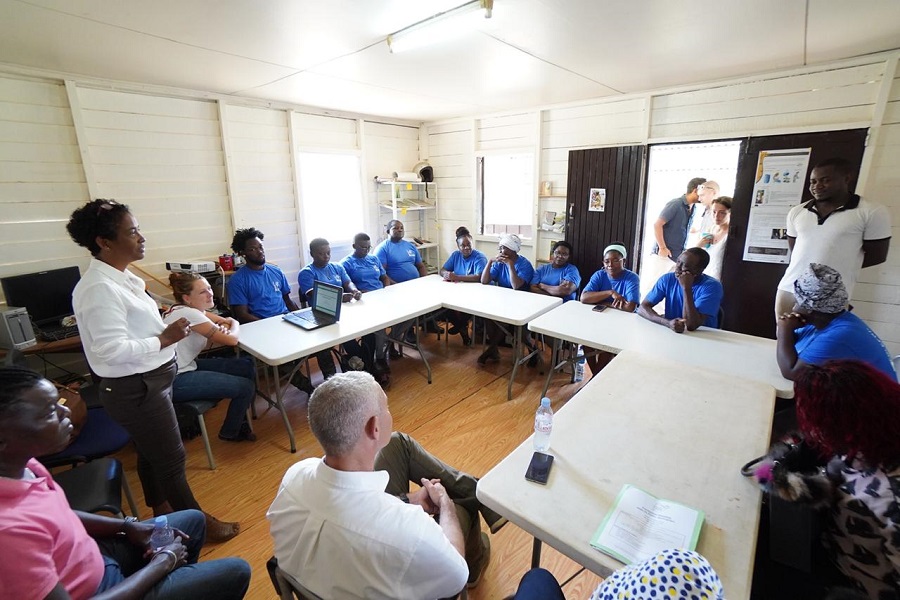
x,y
539,468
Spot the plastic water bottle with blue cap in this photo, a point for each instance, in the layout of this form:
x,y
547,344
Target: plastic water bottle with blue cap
x,y
162,534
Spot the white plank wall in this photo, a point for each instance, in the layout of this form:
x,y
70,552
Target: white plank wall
x,y
262,182
822,98
163,157
41,177
451,154
386,148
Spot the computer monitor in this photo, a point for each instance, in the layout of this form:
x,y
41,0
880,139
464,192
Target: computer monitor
x,y
46,295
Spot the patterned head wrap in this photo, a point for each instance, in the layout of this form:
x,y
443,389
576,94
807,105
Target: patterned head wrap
x,y
618,248
511,241
676,574
821,289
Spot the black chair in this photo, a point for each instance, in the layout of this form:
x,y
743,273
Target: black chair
x,y
100,437
95,486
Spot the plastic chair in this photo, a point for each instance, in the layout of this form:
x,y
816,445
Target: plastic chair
x,y
286,586
100,437
192,410
289,588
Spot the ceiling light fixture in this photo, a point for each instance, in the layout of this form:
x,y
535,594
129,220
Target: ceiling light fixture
x,y
437,28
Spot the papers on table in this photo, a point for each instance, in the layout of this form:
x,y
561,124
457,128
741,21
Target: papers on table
x,y
639,526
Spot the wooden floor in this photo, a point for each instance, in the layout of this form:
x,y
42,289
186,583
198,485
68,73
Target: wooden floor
x,y
463,417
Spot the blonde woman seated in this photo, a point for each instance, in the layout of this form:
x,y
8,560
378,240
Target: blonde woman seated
x,y
210,378
714,241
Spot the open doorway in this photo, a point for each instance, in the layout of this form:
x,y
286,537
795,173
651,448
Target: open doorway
x,y
670,168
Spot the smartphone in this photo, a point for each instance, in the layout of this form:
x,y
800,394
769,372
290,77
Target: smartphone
x,y
539,468
600,307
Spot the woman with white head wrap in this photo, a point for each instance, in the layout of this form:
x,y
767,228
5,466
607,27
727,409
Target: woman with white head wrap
x,y
820,328
508,270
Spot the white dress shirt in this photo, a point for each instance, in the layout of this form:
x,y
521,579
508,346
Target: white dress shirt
x,y
341,536
118,322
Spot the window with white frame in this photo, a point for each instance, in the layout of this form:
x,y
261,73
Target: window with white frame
x,y
506,193
331,200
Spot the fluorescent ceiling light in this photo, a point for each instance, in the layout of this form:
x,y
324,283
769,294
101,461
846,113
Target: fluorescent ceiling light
x,y
439,27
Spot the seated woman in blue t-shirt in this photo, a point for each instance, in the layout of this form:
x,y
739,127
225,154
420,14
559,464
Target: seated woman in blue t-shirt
x,y
614,286
466,265
820,328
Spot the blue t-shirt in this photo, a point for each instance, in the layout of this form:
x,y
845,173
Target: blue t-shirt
x,y
500,273
846,337
399,259
460,265
707,297
365,272
628,285
332,273
261,291
550,276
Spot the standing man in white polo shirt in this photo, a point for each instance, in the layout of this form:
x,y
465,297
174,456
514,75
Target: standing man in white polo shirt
x,y
835,228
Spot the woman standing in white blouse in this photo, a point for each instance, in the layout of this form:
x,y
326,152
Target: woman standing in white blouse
x,y
129,347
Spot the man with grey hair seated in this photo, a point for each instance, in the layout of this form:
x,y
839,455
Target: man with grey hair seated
x,y
346,525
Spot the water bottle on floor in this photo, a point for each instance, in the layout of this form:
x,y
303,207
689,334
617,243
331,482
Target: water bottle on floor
x,y
543,425
162,534
579,365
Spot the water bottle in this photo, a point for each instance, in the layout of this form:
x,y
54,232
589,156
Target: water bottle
x,y
162,534
579,366
543,425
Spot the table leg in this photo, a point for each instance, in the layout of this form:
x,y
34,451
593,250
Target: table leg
x,y
535,553
553,367
417,348
279,404
517,353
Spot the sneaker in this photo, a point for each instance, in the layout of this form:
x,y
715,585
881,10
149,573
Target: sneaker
x,y
489,355
393,353
475,578
302,383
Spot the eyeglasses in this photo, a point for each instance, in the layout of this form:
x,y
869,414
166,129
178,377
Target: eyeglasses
x,y
106,205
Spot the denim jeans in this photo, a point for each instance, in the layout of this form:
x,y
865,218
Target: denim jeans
x,y
223,579
539,584
217,378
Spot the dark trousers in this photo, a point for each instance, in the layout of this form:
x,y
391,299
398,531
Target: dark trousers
x,y
142,404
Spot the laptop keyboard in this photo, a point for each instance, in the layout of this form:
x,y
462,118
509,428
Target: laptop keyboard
x,y
309,317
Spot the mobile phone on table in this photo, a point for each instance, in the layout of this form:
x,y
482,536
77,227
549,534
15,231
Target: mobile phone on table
x,y
539,468
600,307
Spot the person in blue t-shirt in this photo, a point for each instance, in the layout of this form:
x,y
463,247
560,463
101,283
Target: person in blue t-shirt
x,y
558,278
613,286
400,258
364,269
402,262
821,328
508,270
464,265
368,275
322,269
692,298
259,290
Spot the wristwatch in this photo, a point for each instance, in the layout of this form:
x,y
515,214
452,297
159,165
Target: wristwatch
x,y
404,497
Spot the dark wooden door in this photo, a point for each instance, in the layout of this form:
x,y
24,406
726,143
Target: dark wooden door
x,y
750,286
620,171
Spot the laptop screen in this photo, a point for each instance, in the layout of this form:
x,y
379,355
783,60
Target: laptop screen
x,y
46,295
327,298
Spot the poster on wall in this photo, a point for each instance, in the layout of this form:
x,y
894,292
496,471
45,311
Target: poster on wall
x,y
597,200
780,181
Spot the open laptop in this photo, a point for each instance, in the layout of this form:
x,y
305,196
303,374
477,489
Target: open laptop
x,y
325,309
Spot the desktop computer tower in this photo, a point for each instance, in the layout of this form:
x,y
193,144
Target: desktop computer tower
x,y
15,329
